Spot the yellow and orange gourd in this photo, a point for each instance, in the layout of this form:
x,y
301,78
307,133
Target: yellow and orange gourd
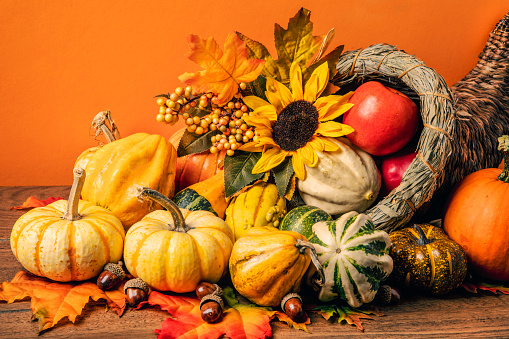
x,y
116,170
68,240
175,249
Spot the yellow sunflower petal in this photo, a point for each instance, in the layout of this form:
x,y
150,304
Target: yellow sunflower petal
x,y
251,147
296,81
333,111
270,159
308,155
279,95
298,166
258,122
340,99
333,129
317,143
253,102
329,145
267,111
317,82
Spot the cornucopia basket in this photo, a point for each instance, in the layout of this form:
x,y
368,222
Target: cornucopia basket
x,y
398,69
461,124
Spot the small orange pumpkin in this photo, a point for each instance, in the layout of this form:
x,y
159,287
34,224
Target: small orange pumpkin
x,y
476,217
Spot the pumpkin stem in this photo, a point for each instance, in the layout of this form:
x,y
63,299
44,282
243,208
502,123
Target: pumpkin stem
x,y
302,246
423,240
99,125
74,196
503,145
166,203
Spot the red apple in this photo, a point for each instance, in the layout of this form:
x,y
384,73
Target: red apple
x,y
383,118
393,167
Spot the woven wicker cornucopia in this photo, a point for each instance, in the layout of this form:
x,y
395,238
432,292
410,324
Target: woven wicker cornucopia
x,y
398,69
482,108
460,130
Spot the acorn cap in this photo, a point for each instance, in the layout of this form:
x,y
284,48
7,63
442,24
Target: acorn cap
x,y
136,283
383,295
115,269
218,291
212,297
288,297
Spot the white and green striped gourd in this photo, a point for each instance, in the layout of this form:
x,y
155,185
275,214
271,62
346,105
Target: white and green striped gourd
x,y
354,256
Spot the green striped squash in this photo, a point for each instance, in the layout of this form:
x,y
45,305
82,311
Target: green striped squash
x,y
302,218
355,258
206,195
192,201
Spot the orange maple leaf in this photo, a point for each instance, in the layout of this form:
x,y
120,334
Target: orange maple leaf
x,y
238,321
33,202
223,71
52,301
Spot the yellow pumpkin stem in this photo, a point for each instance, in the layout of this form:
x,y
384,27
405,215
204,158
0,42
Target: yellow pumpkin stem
x,y
100,126
503,145
166,203
74,196
302,246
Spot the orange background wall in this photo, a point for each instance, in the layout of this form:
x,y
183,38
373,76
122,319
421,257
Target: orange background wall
x,y
61,62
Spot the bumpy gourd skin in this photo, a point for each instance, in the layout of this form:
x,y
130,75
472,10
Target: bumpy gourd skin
x,y
116,170
265,265
62,250
260,205
436,267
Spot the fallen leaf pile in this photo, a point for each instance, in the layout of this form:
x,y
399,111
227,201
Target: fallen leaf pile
x,y
52,301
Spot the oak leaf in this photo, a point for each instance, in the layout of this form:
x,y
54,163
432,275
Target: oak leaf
x,y
352,316
52,301
223,70
32,202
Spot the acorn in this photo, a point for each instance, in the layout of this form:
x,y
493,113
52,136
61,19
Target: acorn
x,y
387,295
292,306
111,276
136,291
205,288
211,307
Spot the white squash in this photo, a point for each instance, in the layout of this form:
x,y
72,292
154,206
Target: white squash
x,y
344,180
355,258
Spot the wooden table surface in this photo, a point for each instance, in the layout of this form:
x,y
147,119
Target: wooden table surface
x,y
460,314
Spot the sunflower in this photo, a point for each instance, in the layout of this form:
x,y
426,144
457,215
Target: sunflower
x,y
295,123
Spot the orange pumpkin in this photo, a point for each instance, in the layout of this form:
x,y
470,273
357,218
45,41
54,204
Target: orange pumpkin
x,y
197,167
476,217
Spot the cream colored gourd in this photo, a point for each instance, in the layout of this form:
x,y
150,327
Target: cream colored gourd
x,y
68,240
344,180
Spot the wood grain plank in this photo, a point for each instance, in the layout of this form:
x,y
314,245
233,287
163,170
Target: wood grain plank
x,y
459,314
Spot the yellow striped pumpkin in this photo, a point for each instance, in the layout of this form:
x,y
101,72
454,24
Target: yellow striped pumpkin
x,y
174,249
67,240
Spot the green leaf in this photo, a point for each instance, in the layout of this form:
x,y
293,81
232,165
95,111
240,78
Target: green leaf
x,y
331,58
283,173
296,43
191,143
257,50
346,313
237,171
257,88
167,96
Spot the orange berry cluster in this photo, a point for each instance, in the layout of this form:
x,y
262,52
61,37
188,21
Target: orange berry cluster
x,y
227,119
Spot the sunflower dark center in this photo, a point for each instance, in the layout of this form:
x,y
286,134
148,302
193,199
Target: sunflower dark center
x,y
295,125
